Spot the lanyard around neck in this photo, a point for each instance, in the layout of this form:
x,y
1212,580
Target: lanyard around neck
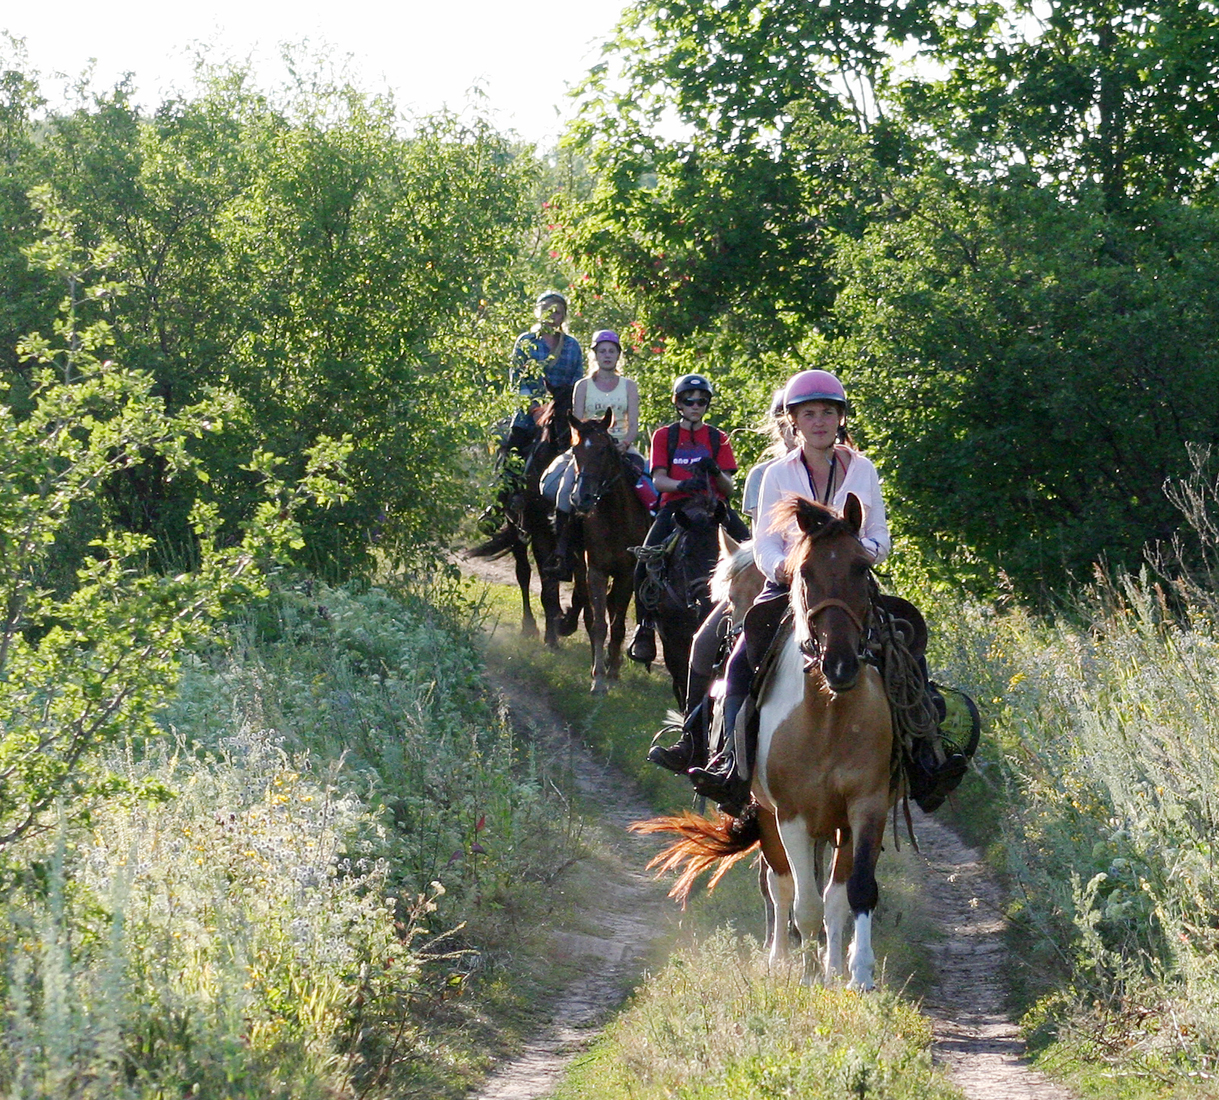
x,y
829,481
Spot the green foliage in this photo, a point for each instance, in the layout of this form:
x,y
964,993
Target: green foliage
x,y
1101,749
85,659
1119,97
305,254
1029,375
245,918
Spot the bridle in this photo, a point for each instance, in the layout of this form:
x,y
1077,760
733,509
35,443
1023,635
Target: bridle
x,y
606,485
811,648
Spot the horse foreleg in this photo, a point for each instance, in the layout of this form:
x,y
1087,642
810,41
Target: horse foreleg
x,y
594,619
553,610
618,603
520,554
837,916
862,896
806,900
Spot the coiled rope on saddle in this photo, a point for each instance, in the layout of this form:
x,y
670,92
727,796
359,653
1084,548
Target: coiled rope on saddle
x,y
914,715
652,586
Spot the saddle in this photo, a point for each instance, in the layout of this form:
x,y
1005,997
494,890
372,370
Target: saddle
x,y
932,755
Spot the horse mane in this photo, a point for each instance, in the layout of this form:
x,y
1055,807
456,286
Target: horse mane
x,y
728,569
814,521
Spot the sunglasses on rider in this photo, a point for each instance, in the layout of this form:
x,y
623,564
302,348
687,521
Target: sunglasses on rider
x,y
695,402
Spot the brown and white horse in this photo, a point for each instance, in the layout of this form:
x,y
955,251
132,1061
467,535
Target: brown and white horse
x,y
823,777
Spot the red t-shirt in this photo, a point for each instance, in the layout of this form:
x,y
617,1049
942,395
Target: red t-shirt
x,y
689,449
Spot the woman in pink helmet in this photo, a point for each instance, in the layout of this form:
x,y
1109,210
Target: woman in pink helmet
x,y
824,467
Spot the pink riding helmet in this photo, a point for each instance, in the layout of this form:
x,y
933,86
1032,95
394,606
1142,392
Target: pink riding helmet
x,y
814,385
605,336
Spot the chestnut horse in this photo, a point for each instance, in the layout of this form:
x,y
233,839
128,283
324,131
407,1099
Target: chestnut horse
x,y
615,519
826,773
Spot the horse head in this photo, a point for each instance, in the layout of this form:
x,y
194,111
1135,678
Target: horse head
x,y
737,580
831,594
598,464
699,519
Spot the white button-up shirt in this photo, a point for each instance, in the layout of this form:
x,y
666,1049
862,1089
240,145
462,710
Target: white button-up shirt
x,y
787,476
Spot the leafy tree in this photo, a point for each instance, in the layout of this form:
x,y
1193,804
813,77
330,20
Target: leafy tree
x,y
329,272
88,662
1030,374
1118,94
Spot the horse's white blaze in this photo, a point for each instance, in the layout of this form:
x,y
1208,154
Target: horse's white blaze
x,y
837,916
784,693
782,895
861,960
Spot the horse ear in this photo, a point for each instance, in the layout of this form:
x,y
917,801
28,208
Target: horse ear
x,y
607,418
811,518
728,545
852,513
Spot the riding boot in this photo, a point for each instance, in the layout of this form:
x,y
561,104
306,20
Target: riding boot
x,y
559,566
690,750
720,780
643,642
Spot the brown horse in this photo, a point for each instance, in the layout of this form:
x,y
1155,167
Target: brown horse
x,y
614,520
527,525
826,768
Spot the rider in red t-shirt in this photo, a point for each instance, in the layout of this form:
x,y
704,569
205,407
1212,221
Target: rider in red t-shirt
x,y
700,453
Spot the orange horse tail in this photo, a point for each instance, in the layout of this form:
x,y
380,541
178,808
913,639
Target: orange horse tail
x,y
703,843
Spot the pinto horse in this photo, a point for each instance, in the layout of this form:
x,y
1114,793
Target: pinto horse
x,y
615,519
825,773
527,525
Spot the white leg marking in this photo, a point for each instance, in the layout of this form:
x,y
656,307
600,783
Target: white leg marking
x,y
783,893
837,916
806,904
862,960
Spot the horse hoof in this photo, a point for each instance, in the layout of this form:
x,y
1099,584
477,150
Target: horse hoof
x,y
599,688
529,629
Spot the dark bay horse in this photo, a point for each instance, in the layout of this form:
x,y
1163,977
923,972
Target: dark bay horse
x,y
684,596
527,525
614,520
826,773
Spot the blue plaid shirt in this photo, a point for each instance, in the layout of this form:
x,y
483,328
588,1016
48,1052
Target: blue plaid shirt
x,y
531,358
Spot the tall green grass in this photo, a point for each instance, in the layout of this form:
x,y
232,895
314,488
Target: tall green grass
x,y
328,845
1103,747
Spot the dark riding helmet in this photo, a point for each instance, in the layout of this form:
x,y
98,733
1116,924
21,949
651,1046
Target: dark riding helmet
x,y
688,382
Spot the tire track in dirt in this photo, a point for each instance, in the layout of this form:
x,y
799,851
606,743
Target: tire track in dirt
x,y
633,914
974,1039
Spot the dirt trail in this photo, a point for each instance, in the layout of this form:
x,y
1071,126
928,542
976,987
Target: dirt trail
x,y
634,912
974,1040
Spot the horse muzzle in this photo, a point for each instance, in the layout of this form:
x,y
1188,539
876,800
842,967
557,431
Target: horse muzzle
x,y
840,672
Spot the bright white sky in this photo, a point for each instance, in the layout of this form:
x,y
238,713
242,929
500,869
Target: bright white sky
x,y
523,55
